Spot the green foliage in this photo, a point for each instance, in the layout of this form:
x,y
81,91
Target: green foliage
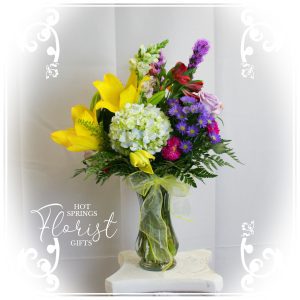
x,y
201,163
229,151
156,98
105,164
154,49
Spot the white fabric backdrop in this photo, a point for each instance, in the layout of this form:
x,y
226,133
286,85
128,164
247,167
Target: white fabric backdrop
x,y
94,41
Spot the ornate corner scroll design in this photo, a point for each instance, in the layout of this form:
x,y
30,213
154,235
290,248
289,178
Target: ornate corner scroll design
x,y
45,31
255,267
43,267
255,31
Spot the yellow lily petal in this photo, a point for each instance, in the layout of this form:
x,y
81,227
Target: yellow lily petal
x,y
80,137
147,169
140,159
132,80
61,136
106,104
83,143
80,129
147,154
110,88
77,111
129,95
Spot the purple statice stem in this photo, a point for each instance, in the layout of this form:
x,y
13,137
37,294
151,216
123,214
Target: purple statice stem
x,y
200,49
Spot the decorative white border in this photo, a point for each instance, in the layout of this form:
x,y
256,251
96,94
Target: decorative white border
x,y
254,31
79,4
254,268
45,31
44,269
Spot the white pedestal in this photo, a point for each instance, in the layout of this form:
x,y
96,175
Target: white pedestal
x,y
191,274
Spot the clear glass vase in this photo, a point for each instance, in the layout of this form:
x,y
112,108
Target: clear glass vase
x,y
143,246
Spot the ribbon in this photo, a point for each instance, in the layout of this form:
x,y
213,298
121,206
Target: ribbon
x,y
151,222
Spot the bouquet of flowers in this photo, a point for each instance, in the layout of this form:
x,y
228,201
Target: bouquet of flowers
x,y
160,131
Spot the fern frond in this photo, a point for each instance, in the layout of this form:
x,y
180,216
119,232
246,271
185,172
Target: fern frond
x,y
201,172
231,153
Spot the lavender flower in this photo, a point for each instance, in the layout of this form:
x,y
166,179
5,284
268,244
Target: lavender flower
x,y
186,110
175,109
188,100
181,116
172,101
200,49
185,146
196,108
192,131
202,120
182,127
214,138
210,120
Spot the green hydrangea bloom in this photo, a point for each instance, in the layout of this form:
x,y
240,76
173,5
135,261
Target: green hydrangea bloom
x,y
139,127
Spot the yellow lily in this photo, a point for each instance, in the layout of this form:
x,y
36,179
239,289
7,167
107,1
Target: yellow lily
x,y
140,159
114,95
82,137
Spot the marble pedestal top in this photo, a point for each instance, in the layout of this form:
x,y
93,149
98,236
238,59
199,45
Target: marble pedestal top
x,y
192,273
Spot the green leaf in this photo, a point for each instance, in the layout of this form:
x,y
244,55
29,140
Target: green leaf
x,y
219,148
220,120
156,98
94,100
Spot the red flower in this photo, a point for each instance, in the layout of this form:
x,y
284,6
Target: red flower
x,y
190,94
195,86
178,71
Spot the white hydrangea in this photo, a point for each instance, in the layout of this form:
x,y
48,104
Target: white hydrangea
x,y
139,127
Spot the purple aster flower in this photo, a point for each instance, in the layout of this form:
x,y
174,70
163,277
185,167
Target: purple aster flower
x,y
186,110
202,120
181,116
196,108
185,146
175,109
210,120
188,99
192,130
214,138
182,127
172,102
200,49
